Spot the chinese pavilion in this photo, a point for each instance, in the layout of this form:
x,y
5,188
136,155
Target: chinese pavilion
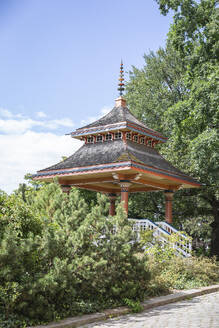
x,y
119,157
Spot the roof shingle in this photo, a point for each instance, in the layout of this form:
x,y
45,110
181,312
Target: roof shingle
x,y
117,151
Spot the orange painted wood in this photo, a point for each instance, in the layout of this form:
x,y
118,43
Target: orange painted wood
x,y
168,207
124,199
152,184
97,188
197,185
142,189
86,181
112,199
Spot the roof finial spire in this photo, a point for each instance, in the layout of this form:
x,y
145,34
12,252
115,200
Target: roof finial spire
x,y
121,79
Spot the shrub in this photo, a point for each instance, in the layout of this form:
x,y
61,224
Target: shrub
x,y
67,260
135,306
169,271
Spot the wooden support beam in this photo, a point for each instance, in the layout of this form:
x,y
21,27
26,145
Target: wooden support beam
x,y
136,178
113,178
150,183
110,185
142,189
85,181
119,176
97,188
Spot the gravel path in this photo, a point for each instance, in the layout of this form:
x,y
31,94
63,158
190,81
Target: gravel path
x,y
198,312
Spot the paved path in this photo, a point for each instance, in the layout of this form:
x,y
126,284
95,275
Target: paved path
x,y
199,312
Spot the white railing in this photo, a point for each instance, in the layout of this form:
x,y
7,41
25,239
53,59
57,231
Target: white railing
x,y
186,242
146,224
166,226
163,230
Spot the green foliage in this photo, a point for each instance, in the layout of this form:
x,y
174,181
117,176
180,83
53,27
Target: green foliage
x,y
169,271
18,216
154,88
181,273
89,196
155,246
147,238
176,93
58,258
59,255
194,31
135,306
154,208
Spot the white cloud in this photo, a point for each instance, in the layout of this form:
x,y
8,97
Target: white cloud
x,y
5,113
41,115
25,149
105,110
18,124
29,152
54,124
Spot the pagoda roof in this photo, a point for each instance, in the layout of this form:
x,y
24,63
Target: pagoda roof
x,y
106,164
116,115
118,118
114,154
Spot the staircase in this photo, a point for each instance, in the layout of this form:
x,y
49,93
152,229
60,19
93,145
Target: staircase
x,y
162,231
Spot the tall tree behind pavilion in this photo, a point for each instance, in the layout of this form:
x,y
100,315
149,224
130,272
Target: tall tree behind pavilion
x,y
177,92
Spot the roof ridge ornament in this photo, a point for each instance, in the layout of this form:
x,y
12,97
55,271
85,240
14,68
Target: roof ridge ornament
x,y
121,79
121,102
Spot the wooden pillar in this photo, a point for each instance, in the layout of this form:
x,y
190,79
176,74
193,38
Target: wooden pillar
x,y
125,193
66,188
168,205
112,198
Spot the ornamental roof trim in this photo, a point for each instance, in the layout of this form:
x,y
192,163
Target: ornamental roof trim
x,y
105,167
118,117
84,131
123,125
111,155
81,169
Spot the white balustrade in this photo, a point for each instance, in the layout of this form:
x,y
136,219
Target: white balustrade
x,y
163,230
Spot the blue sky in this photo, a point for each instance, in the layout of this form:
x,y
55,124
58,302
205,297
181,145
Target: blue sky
x,y
59,67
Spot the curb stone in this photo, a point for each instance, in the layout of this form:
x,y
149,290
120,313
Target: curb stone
x,y
146,305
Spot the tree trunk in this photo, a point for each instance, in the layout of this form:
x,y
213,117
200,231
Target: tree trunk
x,y
215,231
